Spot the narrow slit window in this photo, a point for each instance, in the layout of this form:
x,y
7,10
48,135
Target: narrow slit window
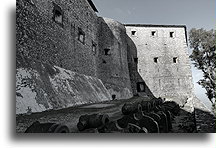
x,y
133,33
81,36
172,34
153,33
141,87
107,51
175,60
94,47
156,59
57,14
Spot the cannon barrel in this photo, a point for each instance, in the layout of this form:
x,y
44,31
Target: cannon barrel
x,y
163,125
92,121
111,127
171,106
158,101
38,127
130,108
146,106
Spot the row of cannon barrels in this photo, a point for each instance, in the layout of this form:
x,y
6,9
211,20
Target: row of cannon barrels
x,y
153,116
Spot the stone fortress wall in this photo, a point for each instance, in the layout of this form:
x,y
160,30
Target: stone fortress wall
x,y
112,58
103,53
60,32
163,60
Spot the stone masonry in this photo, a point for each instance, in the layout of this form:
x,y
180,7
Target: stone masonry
x,y
163,60
123,60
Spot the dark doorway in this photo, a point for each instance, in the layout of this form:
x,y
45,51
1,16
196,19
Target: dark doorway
x,y
141,87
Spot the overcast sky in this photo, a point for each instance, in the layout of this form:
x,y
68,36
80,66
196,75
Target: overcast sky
x,y
192,13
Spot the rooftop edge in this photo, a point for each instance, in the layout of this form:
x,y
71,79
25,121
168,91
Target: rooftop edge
x,y
92,5
152,25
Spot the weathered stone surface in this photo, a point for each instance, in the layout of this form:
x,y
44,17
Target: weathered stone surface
x,y
41,38
107,62
113,64
40,88
163,61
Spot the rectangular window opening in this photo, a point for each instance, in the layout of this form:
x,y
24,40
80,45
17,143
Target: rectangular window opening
x,y
136,60
175,60
153,33
94,47
141,87
172,34
107,52
156,59
133,33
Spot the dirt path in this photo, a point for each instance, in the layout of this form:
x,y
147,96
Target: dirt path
x,y
183,123
70,116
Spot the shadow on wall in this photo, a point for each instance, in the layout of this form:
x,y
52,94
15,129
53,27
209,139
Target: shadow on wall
x,y
117,61
112,58
139,86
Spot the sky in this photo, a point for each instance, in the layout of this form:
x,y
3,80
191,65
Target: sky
x,y
192,13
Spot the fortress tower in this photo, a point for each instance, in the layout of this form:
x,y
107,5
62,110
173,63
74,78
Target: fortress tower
x,y
163,60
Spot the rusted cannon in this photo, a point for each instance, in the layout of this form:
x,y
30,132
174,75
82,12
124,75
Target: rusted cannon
x,y
146,106
169,119
38,127
155,116
133,128
145,121
153,104
111,127
163,124
130,108
157,108
158,101
123,122
92,121
149,123
171,106
138,116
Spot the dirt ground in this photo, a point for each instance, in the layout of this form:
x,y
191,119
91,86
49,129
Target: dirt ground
x,y
183,123
70,116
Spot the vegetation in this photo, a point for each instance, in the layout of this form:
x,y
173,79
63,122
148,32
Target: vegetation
x,y
203,56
